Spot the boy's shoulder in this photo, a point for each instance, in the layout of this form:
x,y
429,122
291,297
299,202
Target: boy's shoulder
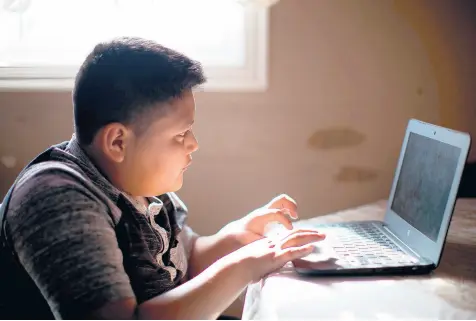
x,y
49,184
54,175
49,174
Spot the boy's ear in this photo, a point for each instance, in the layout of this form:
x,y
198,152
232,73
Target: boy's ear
x,y
113,139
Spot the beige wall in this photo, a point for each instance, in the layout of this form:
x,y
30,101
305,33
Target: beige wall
x,y
345,77
447,30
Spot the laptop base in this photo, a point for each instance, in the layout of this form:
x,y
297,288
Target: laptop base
x,y
306,268
360,248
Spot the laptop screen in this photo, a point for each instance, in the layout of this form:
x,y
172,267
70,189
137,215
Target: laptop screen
x,y
423,186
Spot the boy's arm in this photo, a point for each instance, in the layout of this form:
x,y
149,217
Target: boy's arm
x,y
67,244
208,249
201,251
204,297
213,290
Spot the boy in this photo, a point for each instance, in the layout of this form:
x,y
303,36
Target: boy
x,y
84,233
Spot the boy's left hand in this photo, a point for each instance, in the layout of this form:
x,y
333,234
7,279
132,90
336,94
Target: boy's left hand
x,y
281,209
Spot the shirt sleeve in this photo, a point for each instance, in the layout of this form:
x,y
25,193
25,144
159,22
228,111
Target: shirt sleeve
x,y
66,242
187,236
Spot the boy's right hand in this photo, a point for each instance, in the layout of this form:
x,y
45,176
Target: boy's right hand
x,y
266,255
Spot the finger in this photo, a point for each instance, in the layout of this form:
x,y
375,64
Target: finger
x,y
294,253
296,231
299,231
284,197
277,216
301,239
284,201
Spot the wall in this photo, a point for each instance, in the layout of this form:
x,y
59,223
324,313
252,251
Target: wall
x,y
345,77
447,31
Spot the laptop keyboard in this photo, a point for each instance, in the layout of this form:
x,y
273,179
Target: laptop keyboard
x,y
365,245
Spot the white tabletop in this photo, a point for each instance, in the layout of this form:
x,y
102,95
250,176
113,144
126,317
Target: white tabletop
x,y
448,293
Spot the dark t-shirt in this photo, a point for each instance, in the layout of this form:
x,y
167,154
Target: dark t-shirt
x,y
84,243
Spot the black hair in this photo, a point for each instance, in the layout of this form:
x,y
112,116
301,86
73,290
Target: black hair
x,y
122,79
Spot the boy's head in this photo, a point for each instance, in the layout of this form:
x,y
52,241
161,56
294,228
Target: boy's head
x,y
133,112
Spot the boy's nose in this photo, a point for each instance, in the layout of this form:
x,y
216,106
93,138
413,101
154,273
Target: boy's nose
x,y
193,147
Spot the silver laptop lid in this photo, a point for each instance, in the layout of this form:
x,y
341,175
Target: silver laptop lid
x,y
425,185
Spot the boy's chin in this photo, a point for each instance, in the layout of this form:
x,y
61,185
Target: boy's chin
x,y
178,184
170,188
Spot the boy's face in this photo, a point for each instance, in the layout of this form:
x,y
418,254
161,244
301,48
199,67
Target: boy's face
x,y
154,162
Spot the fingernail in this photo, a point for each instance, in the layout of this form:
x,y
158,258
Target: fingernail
x,y
318,233
285,211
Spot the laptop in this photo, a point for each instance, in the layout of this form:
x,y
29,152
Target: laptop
x,y
411,237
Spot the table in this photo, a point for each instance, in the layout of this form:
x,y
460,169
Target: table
x,y
447,293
